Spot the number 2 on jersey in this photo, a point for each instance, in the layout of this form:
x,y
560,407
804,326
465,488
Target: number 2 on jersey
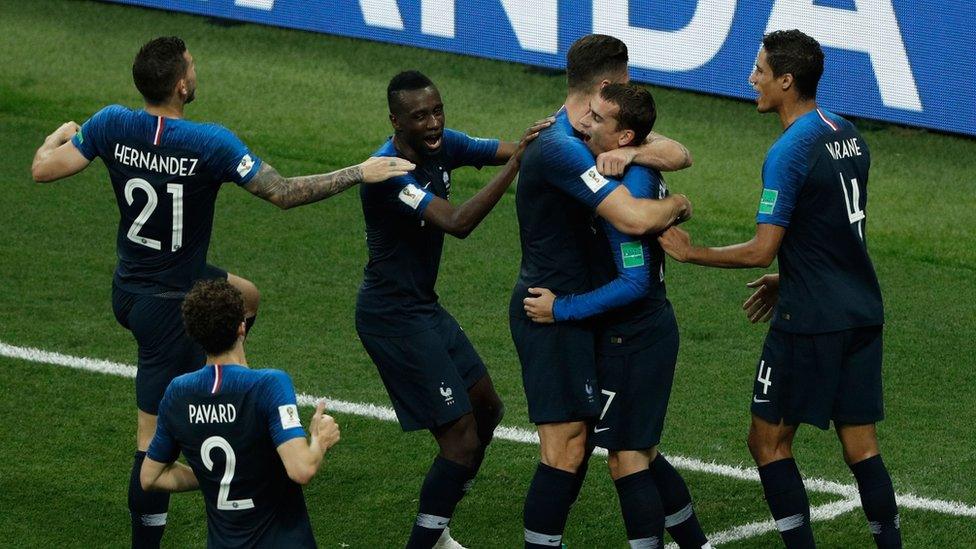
x,y
223,503
152,200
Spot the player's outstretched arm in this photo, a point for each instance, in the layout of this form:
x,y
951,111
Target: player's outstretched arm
x,y
58,158
639,216
460,221
288,192
302,458
657,152
167,477
757,252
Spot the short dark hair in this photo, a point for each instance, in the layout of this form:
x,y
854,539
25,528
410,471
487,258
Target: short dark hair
x,y
158,66
212,312
591,58
792,52
405,81
637,110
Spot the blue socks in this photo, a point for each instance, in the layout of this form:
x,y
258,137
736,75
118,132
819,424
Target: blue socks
x,y
680,519
643,512
443,488
146,509
878,500
547,504
787,499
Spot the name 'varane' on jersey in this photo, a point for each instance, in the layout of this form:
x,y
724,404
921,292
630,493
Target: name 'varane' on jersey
x,y
815,184
229,420
165,173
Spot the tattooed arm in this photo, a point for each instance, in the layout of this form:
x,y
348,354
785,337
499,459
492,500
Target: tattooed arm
x,y
288,192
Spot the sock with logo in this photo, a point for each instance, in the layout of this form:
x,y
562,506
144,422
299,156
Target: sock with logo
x,y
442,490
547,506
878,501
680,518
641,507
146,509
787,500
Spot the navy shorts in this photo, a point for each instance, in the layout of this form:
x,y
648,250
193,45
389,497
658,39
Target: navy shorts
x,y
635,388
165,351
816,378
427,374
558,370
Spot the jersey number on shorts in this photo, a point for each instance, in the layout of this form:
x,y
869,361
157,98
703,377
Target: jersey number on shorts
x,y
230,463
853,200
174,189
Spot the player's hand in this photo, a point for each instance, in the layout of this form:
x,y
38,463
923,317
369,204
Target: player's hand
x,y
684,208
614,163
531,133
539,308
64,132
381,168
759,307
676,243
325,430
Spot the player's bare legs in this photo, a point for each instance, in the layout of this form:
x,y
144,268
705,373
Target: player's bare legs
x,y
771,446
488,412
563,451
462,444
563,445
628,462
863,455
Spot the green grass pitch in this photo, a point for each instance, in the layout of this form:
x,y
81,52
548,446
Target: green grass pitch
x,y
309,103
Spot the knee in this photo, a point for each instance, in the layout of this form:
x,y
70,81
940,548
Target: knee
x,y
765,450
567,455
462,445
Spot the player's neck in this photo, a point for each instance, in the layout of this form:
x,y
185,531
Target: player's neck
x,y
577,105
405,150
233,356
167,110
790,111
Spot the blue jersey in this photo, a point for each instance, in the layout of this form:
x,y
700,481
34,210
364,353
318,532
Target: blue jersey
x,y
815,184
559,187
229,420
166,173
630,304
397,295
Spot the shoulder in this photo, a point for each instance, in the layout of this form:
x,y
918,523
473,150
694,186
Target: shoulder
x,y
273,377
641,180
386,149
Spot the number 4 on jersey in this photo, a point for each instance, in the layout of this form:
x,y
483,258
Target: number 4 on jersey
x,y
852,199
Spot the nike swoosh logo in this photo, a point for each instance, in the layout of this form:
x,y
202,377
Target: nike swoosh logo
x,y
439,524
553,540
601,430
758,400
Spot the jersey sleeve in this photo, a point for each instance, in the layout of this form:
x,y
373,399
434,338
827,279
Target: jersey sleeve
x,y
281,408
91,136
632,259
164,447
400,195
231,159
571,168
463,150
783,174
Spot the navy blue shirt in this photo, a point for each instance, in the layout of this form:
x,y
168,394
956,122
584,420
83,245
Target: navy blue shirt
x,y
229,420
166,173
815,184
630,304
397,295
559,187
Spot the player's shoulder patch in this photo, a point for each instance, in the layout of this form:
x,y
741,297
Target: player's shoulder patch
x,y
767,202
288,414
412,195
593,179
632,254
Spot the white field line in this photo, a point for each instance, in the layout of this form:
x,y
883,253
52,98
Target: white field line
x,y
827,511
514,434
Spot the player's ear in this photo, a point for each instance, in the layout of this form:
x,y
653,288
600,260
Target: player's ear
x,y
787,81
625,138
394,122
242,330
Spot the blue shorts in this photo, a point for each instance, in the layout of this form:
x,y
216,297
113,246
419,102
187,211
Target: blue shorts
x,y
819,378
427,374
558,370
165,351
635,388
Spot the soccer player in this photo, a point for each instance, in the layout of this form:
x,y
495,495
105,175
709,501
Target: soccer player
x,y
166,172
239,431
434,376
559,188
636,334
821,361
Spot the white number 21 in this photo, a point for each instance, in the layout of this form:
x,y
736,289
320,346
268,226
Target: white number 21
x,y
152,200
